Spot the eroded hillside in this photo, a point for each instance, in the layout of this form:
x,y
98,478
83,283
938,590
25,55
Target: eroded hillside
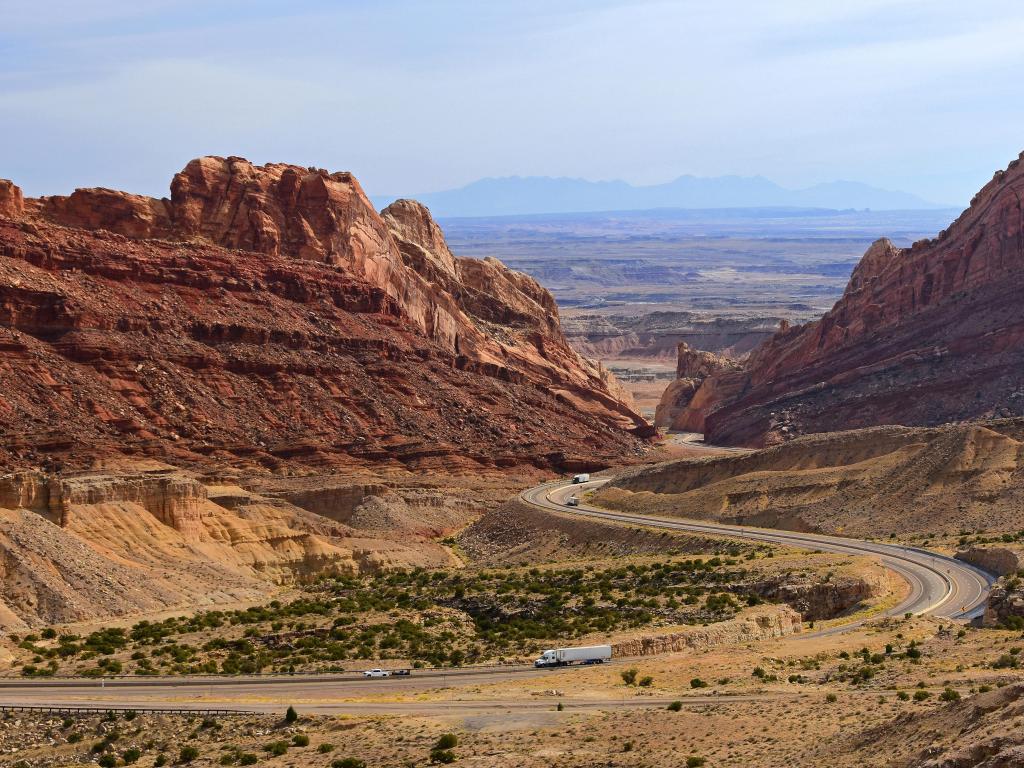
x,y
863,483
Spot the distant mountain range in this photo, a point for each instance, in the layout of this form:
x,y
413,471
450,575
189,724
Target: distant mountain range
x,y
514,195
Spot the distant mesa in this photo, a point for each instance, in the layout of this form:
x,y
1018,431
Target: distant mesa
x,y
922,336
517,195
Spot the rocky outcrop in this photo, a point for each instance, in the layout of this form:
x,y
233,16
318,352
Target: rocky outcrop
x,y
12,205
1005,604
998,560
682,404
761,623
265,316
816,598
922,335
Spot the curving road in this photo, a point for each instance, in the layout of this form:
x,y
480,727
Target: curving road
x,y
939,585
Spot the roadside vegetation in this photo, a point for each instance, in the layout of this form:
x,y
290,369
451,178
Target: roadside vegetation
x,y
418,617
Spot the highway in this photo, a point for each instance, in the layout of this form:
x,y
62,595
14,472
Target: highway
x,y
939,585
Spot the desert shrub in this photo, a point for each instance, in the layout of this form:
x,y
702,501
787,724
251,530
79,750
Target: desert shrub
x,y
693,761
698,683
131,755
831,698
324,748
187,754
300,740
290,716
247,758
675,706
950,695
646,681
276,748
442,756
107,761
349,762
921,695
903,696
161,761
629,675
447,741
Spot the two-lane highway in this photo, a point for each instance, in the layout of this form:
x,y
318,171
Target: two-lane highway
x,y
939,585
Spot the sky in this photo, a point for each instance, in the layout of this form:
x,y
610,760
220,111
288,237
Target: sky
x,y
416,96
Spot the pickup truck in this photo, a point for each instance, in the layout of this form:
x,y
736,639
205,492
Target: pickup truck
x,y
376,673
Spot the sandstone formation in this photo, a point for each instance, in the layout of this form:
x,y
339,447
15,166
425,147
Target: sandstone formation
x,y
682,405
268,316
922,336
862,483
998,560
761,623
91,545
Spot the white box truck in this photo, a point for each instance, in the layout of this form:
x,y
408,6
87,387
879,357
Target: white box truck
x,y
563,657
584,478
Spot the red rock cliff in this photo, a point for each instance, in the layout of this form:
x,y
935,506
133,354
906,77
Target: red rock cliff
x,y
267,315
922,335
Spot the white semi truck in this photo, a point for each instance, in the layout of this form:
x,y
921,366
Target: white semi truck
x,y
563,657
584,478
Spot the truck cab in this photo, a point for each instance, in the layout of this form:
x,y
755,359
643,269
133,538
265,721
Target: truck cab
x,y
581,478
572,501
547,659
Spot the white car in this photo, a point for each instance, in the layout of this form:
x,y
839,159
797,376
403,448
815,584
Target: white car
x,y
376,673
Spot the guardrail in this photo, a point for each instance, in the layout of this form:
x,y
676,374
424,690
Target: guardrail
x,y
58,709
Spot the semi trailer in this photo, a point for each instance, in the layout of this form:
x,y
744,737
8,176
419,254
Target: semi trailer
x,y
563,657
584,478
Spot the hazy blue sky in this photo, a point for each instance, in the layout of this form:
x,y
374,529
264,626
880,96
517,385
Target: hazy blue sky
x,y
420,95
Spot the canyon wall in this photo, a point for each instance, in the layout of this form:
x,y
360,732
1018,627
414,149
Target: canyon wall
x,y
923,335
268,316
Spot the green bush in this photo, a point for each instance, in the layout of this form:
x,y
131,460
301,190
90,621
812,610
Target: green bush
x,y
447,741
161,761
107,761
629,675
903,696
276,748
187,754
698,683
675,706
694,762
247,758
921,695
291,715
131,755
300,740
645,682
442,756
349,762
324,748
831,698
950,695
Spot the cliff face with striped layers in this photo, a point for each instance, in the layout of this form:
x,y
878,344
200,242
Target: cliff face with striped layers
x,y
268,315
923,335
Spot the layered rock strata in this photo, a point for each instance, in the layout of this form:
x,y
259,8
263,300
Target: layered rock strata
x,y
268,316
923,335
